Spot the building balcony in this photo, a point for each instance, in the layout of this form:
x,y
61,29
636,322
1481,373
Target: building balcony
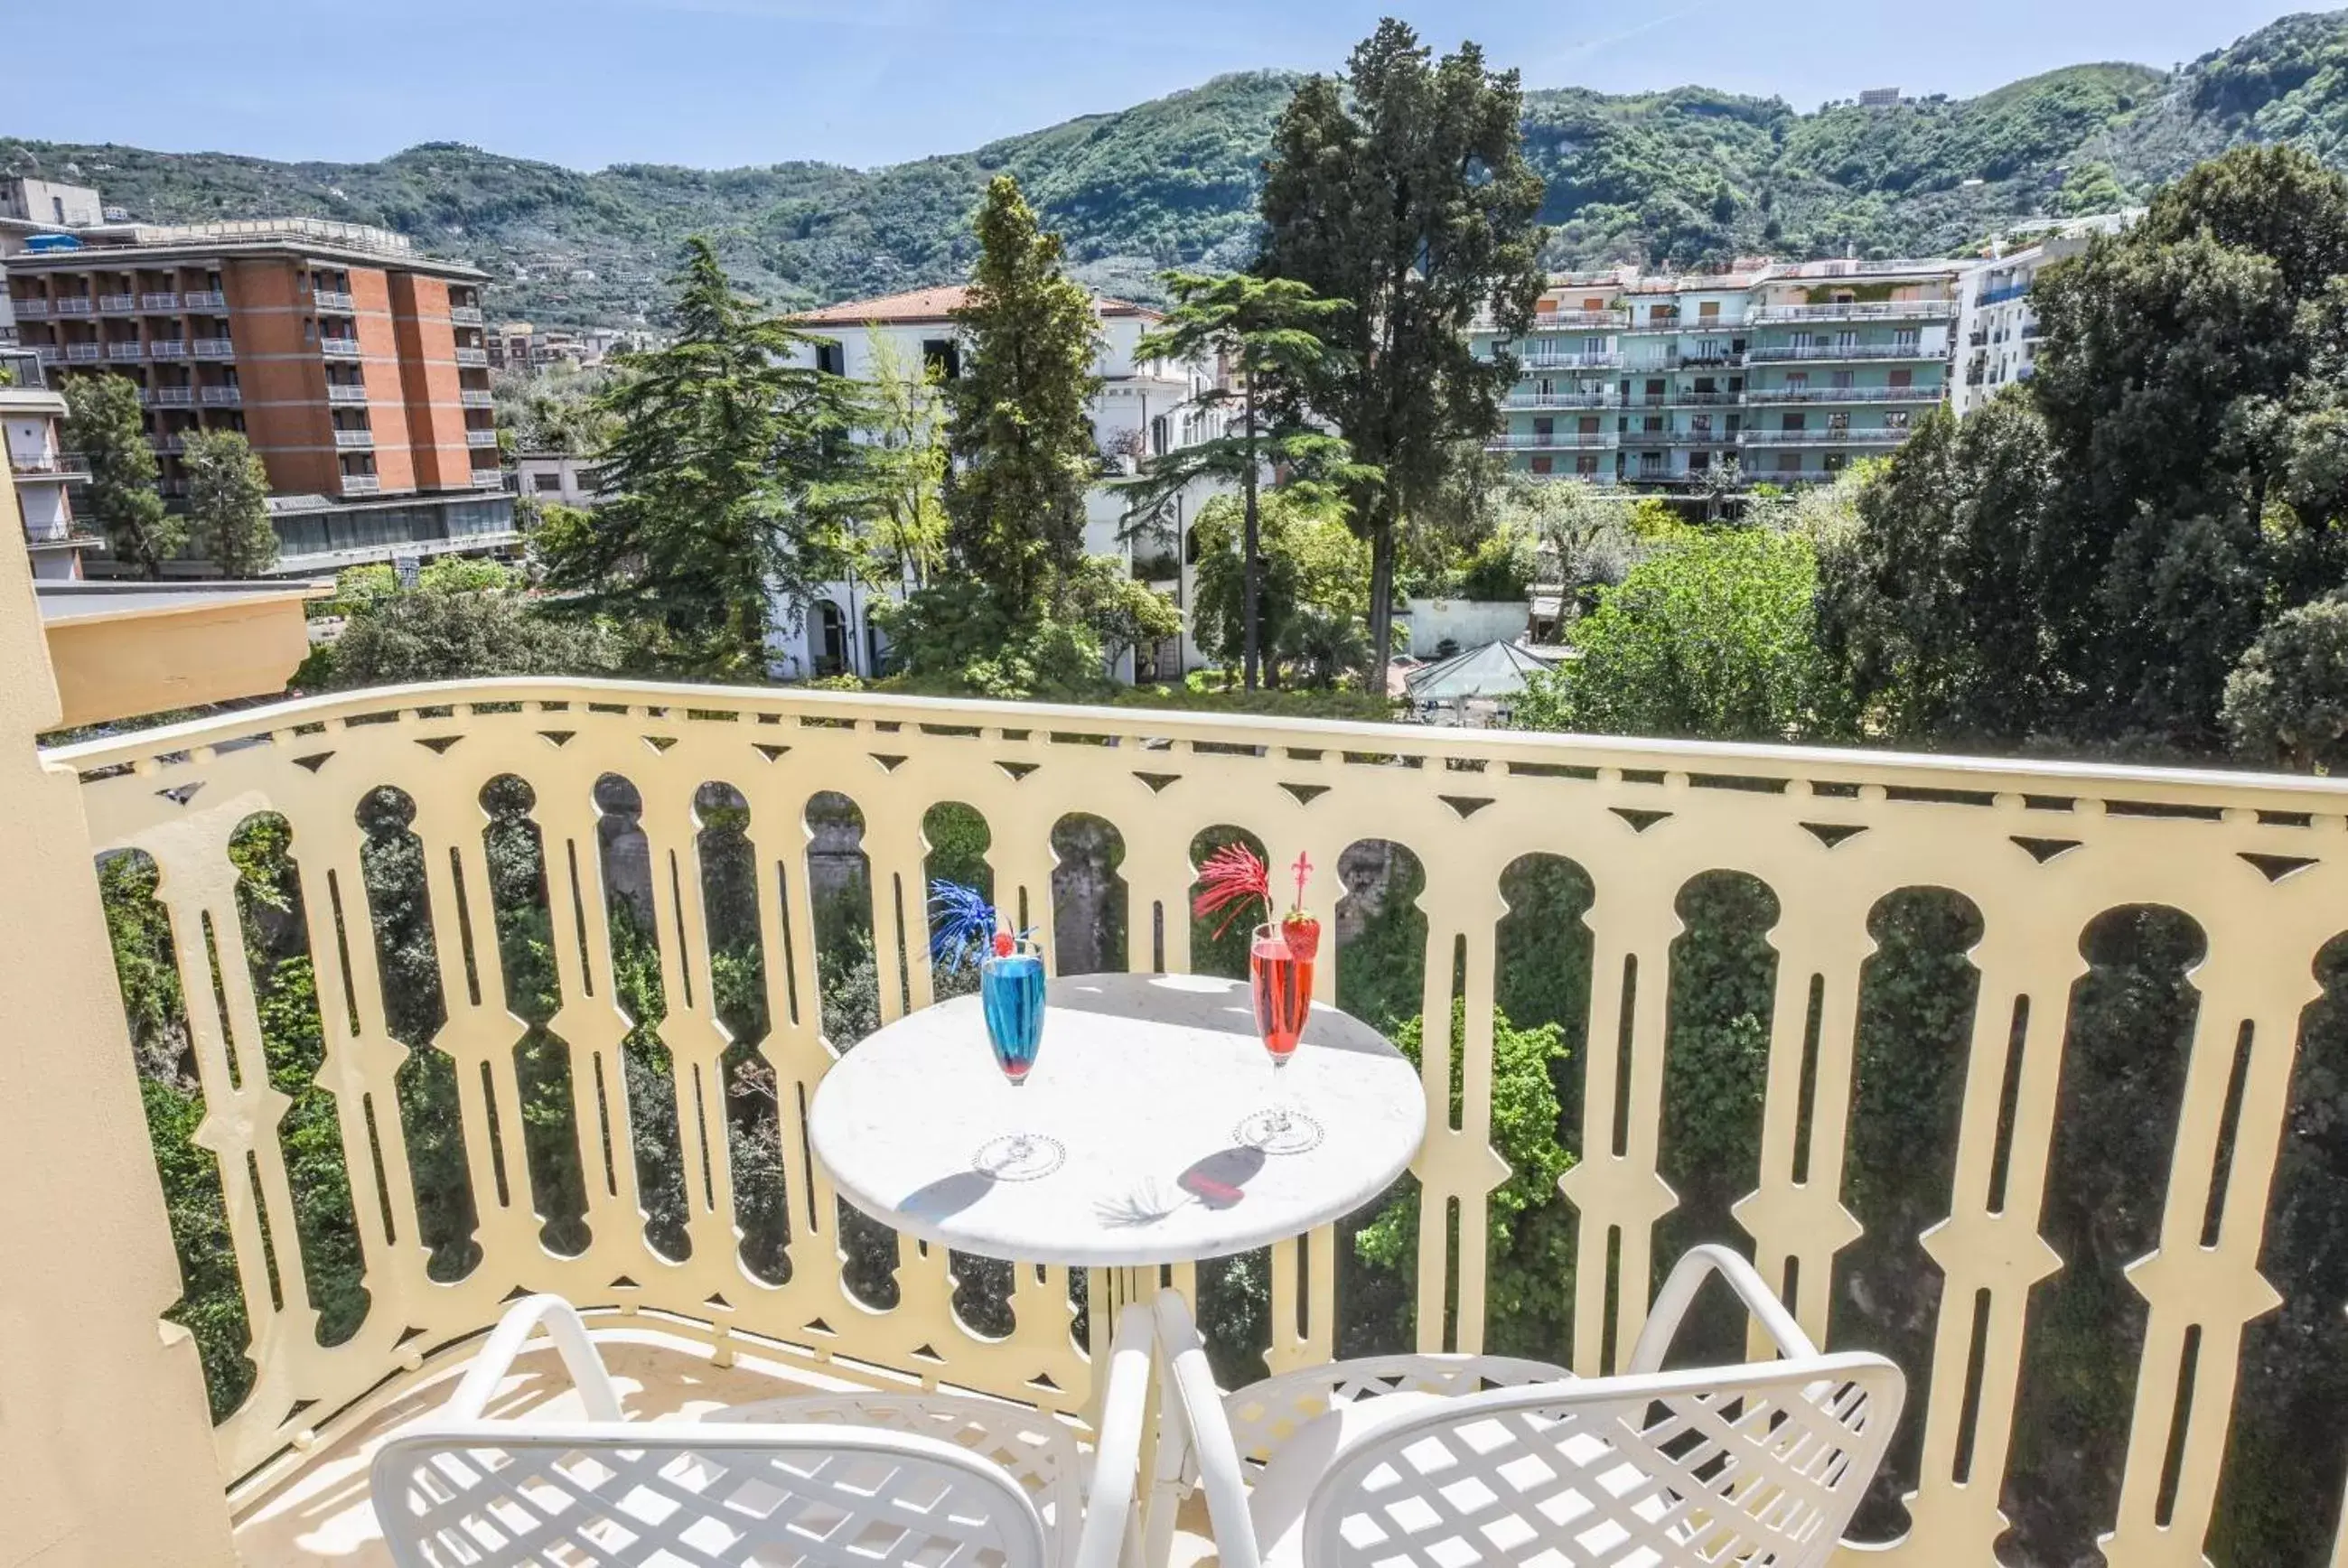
x,y
129,349
333,299
347,438
1563,321
49,464
345,391
85,352
1534,358
167,348
362,484
171,397
452,1164
1859,310
474,358
480,438
70,305
339,347
204,300
49,354
1842,394
222,396
1850,351
27,309
488,478
476,397
116,304
1555,441
465,315
1999,295
1852,436
56,533
1542,400
214,348
175,441
163,301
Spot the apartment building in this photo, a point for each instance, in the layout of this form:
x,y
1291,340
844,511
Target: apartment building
x,y
521,346
1997,327
1791,370
1144,408
355,365
31,418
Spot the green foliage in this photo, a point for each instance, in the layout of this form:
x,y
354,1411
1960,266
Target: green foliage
x,y
1311,606
228,504
1401,186
2287,701
730,476
1713,636
1529,1290
103,424
438,633
905,427
559,408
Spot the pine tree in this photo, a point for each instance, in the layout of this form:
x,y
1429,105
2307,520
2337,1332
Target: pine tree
x,y
1402,187
103,424
1263,330
1020,428
228,502
732,475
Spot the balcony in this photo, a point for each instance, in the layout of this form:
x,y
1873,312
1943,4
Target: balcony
x,y
222,396
85,352
345,391
29,309
167,348
333,299
163,301
49,354
1557,440
346,438
214,348
1999,294
52,533
1848,351
1518,400
1842,394
176,441
1946,1171
480,438
476,397
1534,358
1853,435
465,315
171,397
475,358
339,347
1859,310
204,300
49,464
361,484
1561,321
70,305
130,349
115,305
488,478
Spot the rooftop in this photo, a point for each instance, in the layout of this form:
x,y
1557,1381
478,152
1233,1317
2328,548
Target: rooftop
x,y
934,304
355,244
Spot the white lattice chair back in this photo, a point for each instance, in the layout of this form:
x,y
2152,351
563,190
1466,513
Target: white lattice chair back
x,y
1760,1466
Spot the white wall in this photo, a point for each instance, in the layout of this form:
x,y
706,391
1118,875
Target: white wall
x,y
1469,623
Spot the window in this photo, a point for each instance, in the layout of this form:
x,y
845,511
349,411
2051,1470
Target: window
x,y
1654,425
1593,345
1586,464
1902,378
1662,315
943,354
1846,340
1896,420
831,358
1908,338
545,483
1789,462
1838,424
1699,462
1700,425
1797,421
1844,380
1798,381
1542,463
1593,304
1544,426
1590,424
309,330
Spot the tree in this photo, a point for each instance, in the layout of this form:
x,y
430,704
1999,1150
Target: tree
x,y
228,502
103,424
1261,330
1402,187
2287,701
449,632
905,427
1712,637
1021,429
1718,485
1311,586
731,475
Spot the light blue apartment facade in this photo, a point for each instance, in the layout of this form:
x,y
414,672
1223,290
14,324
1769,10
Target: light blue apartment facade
x,y
1792,371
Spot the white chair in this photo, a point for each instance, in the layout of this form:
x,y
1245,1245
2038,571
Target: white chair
x,y
1463,1461
923,1484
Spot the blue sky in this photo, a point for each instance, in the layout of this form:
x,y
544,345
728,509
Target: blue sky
x,y
719,83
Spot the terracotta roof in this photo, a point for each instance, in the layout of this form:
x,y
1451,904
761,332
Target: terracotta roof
x,y
929,305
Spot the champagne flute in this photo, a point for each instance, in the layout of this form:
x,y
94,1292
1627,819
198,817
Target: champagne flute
x,y
1011,996
1280,978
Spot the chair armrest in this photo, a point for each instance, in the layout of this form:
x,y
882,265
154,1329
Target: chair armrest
x,y
1265,1414
1117,1445
1198,1433
1687,1277
562,1325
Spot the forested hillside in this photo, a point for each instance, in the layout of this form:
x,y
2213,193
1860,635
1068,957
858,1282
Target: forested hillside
x,y
1681,176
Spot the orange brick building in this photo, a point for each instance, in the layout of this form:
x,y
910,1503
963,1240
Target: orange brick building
x,y
355,365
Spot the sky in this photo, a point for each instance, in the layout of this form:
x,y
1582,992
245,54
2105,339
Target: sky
x,y
724,83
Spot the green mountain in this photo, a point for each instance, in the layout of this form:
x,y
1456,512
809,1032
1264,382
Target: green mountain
x,y
1685,176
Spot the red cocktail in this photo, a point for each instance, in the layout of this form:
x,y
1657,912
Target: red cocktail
x,y
1282,979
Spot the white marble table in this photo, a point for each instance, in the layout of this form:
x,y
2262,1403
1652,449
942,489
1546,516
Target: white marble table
x,y
1142,1088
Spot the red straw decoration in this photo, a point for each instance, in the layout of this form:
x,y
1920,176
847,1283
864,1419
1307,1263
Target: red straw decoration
x,y
1232,877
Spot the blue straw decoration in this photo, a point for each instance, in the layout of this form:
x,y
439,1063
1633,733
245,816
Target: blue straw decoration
x,y
962,923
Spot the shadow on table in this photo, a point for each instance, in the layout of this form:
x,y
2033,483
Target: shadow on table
x,y
1217,1181
946,1196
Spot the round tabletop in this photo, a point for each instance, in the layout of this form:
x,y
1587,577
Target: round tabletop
x,y
1156,1128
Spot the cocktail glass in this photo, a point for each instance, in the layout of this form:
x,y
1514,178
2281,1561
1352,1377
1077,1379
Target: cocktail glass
x,y
1282,985
1011,996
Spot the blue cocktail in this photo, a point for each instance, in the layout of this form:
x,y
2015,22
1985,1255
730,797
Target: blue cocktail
x,y
1011,990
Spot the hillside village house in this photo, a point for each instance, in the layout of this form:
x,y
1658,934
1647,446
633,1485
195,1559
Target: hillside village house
x,y
1145,408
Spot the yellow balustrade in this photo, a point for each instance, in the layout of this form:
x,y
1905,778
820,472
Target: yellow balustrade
x,y
2041,850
